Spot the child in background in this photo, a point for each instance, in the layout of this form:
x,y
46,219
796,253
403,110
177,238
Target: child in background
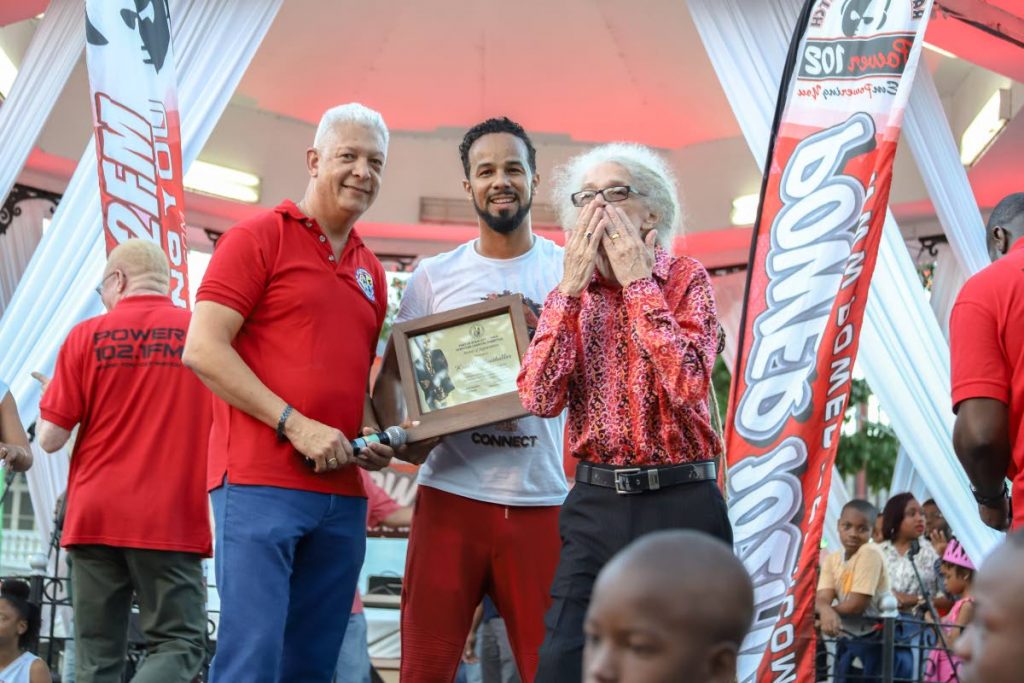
x,y
958,570
671,606
876,532
854,579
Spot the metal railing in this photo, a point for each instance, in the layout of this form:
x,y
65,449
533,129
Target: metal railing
x,y
51,594
899,649
17,550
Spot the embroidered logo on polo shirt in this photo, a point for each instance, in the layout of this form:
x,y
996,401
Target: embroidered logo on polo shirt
x,y
365,281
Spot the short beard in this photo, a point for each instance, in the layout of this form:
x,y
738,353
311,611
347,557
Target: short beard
x,y
504,225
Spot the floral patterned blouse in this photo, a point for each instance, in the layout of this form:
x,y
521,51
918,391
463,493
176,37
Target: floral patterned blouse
x,y
632,364
901,573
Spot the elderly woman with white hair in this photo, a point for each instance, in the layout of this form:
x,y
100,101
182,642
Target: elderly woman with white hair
x,y
626,342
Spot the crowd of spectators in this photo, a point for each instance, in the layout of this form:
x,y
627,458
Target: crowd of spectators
x,y
907,554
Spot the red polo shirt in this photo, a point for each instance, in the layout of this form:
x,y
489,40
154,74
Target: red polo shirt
x,y
136,478
986,338
310,335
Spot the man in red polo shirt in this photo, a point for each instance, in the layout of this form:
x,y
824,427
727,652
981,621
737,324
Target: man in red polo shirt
x,y
986,339
137,518
285,328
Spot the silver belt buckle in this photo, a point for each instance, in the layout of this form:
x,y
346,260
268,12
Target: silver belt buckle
x,y
622,483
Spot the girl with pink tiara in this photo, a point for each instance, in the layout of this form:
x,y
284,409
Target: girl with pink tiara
x,y
958,570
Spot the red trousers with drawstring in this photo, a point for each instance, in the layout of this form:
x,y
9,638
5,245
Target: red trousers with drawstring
x,y
459,550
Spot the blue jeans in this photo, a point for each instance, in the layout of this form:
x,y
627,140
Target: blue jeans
x,y
354,658
869,650
287,562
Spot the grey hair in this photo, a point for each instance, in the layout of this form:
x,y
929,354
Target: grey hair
x,y
651,175
353,112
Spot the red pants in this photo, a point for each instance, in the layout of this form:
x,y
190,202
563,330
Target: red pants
x,y
459,550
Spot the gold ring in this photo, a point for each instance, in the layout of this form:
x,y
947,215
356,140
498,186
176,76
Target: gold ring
x,y
334,460
615,236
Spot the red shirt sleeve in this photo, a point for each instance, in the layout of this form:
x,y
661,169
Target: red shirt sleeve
x,y
239,271
978,365
63,404
379,504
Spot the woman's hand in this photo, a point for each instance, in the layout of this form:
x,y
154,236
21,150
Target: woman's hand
x,y
581,249
630,257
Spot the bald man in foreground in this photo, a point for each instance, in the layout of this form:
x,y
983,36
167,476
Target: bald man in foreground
x,y
137,519
990,645
672,606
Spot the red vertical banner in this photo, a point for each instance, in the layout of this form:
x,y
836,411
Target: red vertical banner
x,y
823,203
136,121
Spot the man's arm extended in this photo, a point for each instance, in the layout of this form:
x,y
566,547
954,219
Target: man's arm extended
x,y
210,354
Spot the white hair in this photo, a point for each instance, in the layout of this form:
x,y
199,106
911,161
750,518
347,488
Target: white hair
x,y
650,173
353,112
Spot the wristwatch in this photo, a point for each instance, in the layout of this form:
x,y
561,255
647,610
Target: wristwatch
x,y
992,501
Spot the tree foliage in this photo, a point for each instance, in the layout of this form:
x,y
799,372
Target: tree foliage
x,y
872,448
720,379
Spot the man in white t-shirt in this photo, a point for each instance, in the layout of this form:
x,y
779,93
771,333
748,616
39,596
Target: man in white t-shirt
x,y
486,517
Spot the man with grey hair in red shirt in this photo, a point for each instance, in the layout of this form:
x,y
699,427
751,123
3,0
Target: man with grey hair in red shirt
x,y
284,332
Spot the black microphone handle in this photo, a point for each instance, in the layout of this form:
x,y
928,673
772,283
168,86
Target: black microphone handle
x,y
915,547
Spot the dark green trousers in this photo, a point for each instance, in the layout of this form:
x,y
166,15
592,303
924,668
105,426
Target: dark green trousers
x,y
172,610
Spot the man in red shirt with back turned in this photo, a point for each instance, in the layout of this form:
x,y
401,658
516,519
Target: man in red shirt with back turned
x,y
986,339
284,332
137,518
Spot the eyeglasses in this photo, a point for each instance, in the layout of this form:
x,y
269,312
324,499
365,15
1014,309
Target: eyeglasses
x,y
99,287
618,193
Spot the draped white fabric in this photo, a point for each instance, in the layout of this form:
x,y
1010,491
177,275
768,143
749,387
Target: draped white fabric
x,y
948,278
19,241
927,132
906,478
213,44
46,480
902,352
52,54
837,498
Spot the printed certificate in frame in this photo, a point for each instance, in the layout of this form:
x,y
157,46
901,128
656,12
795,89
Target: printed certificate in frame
x,y
459,367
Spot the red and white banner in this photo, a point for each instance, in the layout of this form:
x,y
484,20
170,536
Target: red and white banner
x,y
823,203
138,139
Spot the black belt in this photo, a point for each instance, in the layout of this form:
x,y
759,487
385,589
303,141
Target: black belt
x,y
628,480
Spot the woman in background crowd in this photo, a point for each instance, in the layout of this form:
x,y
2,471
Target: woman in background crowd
x,y
902,524
19,628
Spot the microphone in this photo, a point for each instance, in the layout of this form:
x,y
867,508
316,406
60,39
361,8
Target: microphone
x,y
392,436
915,548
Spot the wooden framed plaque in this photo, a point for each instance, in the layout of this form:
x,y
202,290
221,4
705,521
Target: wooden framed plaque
x,y
459,367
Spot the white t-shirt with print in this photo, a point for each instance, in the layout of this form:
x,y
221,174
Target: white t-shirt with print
x,y
518,462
